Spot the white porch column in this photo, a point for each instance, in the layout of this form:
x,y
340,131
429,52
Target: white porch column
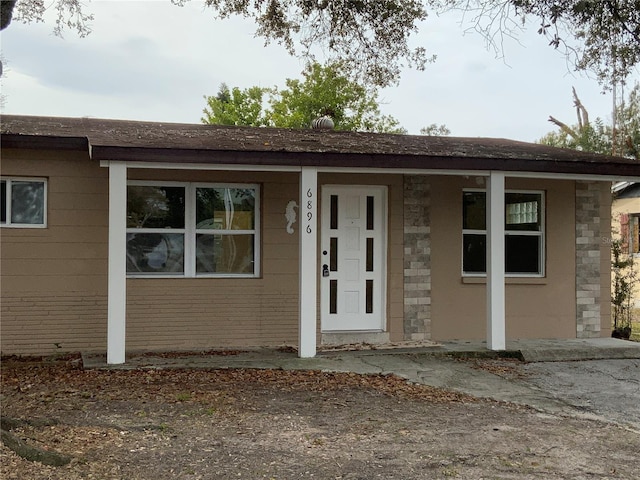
x,y
495,262
117,290
308,261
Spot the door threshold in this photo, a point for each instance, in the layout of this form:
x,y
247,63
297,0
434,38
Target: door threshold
x,y
373,337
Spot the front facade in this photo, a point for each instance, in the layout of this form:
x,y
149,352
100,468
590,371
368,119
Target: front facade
x,y
121,236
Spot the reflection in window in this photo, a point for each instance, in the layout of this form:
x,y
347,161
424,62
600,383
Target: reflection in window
x,y
523,233
192,229
155,207
22,202
224,253
225,208
155,253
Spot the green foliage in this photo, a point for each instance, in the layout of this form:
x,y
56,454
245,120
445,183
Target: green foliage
x,y
435,130
598,137
323,90
70,14
594,137
372,36
236,107
625,281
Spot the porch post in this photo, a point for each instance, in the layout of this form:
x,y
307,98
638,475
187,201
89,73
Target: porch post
x,y
117,290
495,262
308,261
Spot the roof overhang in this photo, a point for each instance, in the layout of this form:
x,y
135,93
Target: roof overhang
x,y
211,147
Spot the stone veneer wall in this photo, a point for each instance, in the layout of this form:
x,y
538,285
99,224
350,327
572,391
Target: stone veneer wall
x,y
588,259
417,258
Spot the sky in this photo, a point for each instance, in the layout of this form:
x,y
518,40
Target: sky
x,y
155,61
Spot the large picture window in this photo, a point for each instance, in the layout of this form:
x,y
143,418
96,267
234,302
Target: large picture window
x,y
192,229
23,202
524,233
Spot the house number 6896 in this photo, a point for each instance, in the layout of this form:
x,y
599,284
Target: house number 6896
x,y
309,213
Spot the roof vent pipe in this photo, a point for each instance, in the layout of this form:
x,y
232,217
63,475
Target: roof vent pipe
x,y
322,123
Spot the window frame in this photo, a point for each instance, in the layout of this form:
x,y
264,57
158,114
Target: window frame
x,y
541,234
8,200
190,231
633,234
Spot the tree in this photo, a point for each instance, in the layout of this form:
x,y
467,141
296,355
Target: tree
x,y
69,14
435,130
602,37
323,90
236,107
372,36
598,137
624,282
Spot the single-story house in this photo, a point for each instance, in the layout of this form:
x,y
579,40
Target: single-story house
x,y
126,236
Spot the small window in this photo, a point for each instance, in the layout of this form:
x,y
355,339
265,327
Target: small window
x,y
524,235
192,229
23,202
630,233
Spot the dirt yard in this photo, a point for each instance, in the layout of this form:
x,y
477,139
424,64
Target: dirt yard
x,y
268,424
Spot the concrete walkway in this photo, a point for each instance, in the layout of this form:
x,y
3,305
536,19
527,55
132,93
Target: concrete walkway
x,y
544,388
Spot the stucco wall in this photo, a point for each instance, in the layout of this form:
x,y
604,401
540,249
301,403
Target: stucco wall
x,y
535,307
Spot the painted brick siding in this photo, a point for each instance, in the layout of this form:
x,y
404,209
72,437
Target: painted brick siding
x,y
589,234
202,313
54,285
417,258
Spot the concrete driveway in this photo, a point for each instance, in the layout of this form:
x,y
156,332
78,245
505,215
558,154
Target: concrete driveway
x,y
607,388
598,377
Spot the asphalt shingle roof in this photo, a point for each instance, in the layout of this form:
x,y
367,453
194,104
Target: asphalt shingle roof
x,y
196,143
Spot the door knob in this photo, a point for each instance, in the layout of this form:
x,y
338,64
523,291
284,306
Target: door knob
x,y
325,270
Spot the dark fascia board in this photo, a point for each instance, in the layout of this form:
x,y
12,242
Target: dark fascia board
x,y
354,160
43,142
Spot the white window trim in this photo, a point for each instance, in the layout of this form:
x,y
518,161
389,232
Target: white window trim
x,y
8,223
190,230
542,234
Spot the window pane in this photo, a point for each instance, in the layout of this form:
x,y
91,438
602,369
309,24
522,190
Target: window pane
x,y
474,255
333,296
370,205
333,254
155,252
3,202
522,253
155,207
474,211
27,202
523,211
224,253
225,208
333,217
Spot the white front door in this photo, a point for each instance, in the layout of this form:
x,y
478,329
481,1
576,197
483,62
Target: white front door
x,y
353,258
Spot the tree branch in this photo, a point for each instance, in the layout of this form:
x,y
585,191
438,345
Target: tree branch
x,y
564,127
